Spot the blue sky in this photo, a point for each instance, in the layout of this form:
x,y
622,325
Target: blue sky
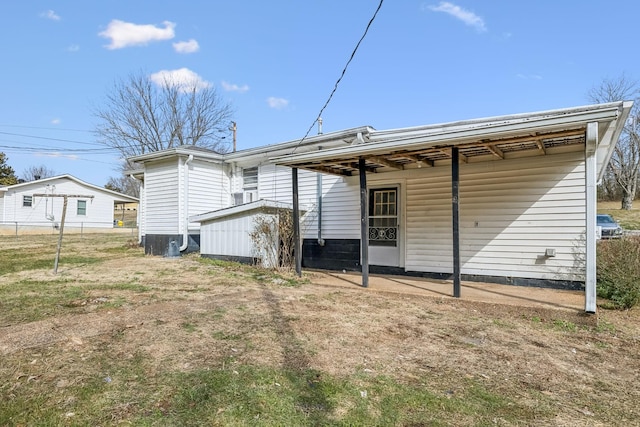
x,y
276,62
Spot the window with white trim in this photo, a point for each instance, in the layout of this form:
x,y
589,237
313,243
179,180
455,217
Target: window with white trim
x,y
82,207
250,184
27,201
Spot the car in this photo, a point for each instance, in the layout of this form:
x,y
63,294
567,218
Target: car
x,y
610,228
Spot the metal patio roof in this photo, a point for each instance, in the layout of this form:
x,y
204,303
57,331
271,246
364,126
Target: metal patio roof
x,y
530,134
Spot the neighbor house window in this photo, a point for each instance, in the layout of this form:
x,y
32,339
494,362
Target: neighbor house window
x,y
82,207
27,201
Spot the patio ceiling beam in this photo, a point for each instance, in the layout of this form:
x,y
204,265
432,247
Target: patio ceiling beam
x,y
357,166
419,159
328,170
385,162
530,137
541,146
495,151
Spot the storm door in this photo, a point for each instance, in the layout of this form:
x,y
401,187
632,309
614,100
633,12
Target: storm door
x,y
384,227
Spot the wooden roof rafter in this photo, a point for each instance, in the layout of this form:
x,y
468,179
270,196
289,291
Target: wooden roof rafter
x,y
385,162
495,151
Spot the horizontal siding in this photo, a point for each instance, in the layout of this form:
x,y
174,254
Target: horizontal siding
x,y
275,183
227,237
230,236
162,185
510,212
208,189
340,208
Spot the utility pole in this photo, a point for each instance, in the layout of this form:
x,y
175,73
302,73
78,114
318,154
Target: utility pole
x,y
234,128
64,214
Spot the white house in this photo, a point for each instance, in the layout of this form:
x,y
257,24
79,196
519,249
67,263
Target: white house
x,y
508,199
39,204
181,183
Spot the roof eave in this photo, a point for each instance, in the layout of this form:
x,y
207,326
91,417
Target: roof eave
x,y
493,128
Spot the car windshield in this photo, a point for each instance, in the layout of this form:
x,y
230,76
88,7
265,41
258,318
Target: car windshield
x,y
605,219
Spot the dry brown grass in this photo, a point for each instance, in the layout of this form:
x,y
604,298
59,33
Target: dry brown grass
x,y
142,320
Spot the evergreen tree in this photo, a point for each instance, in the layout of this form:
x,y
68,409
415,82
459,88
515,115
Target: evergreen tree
x,y
7,174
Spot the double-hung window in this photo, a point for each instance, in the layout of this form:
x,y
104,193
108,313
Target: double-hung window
x,y
82,208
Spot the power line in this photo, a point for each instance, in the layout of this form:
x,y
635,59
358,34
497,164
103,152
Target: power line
x,y
54,149
46,128
344,70
51,139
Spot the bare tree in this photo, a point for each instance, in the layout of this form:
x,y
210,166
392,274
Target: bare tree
x,y
141,116
624,166
33,173
124,184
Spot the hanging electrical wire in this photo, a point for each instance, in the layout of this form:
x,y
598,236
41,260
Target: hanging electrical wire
x,y
344,70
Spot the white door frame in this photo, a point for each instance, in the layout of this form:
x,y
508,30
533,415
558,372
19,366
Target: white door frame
x,y
376,254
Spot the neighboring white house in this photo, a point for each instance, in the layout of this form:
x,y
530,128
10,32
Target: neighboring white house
x,y
38,205
525,198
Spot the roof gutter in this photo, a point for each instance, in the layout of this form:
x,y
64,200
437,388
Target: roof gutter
x,y
408,139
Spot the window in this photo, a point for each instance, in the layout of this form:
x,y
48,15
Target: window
x,y
82,207
250,184
250,179
27,201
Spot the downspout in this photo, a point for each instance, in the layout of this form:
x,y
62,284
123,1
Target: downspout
x,y
319,194
185,233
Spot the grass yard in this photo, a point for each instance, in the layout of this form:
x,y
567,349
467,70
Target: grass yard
x,y
120,338
629,220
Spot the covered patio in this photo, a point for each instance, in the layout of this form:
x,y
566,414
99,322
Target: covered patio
x,y
592,130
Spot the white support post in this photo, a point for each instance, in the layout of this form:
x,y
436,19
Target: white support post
x,y
591,207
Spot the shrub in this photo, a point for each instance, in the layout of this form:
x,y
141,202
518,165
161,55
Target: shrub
x,y
618,271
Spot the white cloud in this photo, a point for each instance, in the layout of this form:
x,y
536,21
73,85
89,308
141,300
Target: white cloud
x,y
50,14
59,155
277,103
529,76
73,48
230,87
183,78
190,46
469,18
55,121
125,34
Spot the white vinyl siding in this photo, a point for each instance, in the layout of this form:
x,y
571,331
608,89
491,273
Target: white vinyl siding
x,y
275,183
230,236
510,212
340,205
340,208
162,187
208,189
